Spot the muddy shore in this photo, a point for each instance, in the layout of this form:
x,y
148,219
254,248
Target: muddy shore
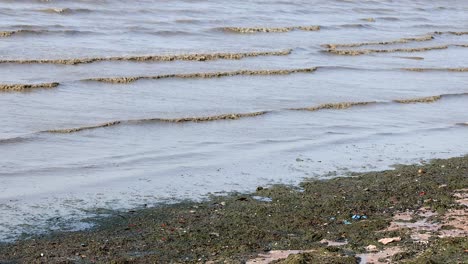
x,y
413,214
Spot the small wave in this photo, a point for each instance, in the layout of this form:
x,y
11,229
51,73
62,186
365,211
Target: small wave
x,y
368,51
147,58
163,120
24,87
21,31
428,99
337,106
387,18
71,130
346,105
203,75
236,116
40,32
17,139
458,33
336,48
7,33
355,25
170,33
411,58
269,30
426,37
64,11
463,69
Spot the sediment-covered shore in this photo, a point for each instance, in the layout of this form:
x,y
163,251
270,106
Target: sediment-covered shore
x,y
413,214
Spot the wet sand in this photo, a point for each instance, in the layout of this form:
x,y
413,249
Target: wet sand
x,y
414,213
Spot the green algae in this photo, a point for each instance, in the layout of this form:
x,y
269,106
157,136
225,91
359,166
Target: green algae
x,y
237,227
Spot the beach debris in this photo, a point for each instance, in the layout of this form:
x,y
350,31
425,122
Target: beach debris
x,y
421,171
358,217
333,243
388,240
371,248
259,188
262,199
346,222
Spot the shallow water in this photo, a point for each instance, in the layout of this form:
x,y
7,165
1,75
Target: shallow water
x,y
149,155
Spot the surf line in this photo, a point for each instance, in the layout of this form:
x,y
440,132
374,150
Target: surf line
x,y
237,116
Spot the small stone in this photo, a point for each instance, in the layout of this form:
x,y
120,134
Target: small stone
x,y
214,234
388,240
421,171
371,248
259,188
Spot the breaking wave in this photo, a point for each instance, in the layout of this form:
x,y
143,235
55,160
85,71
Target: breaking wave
x,y
25,87
203,75
269,29
147,58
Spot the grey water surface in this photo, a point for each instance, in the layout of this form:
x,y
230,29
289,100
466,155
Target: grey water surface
x,y
52,181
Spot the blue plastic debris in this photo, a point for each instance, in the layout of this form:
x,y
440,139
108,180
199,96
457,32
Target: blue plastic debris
x,y
346,222
356,217
364,217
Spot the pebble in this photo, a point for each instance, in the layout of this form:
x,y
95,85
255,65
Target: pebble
x,y
388,240
372,248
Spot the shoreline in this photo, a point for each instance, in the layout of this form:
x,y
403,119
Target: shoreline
x,y
422,211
